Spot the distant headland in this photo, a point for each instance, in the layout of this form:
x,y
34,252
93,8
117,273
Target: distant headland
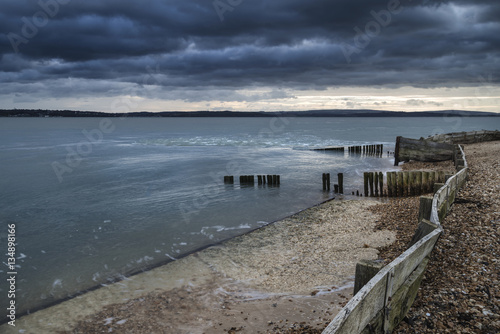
x,y
227,113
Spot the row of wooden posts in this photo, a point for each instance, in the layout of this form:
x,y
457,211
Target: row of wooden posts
x,y
400,184
375,150
338,188
250,179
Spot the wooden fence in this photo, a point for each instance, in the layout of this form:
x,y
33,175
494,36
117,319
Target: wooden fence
x,y
384,301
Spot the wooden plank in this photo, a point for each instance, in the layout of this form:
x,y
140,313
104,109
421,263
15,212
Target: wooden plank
x,y
404,297
359,311
406,263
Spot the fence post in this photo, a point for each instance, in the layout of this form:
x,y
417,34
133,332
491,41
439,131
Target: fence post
x,y
424,211
424,227
365,271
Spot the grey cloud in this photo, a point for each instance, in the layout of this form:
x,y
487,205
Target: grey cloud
x,y
176,46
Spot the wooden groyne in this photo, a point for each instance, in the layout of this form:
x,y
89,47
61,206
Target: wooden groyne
x,y
439,147
370,150
421,150
331,148
401,184
273,180
366,150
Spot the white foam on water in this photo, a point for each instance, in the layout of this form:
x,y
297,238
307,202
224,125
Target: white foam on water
x,y
171,257
57,283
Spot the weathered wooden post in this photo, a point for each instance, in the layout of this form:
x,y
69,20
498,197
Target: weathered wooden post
x,y
275,180
432,180
375,179
389,184
365,271
336,188
394,183
405,184
269,179
278,179
441,176
400,184
326,181
425,207
340,177
396,151
437,186
365,180
418,187
424,227
370,179
411,183
381,183
425,183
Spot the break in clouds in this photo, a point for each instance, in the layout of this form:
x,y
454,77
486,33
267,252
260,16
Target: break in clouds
x,y
202,50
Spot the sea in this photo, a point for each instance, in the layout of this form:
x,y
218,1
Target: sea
x,y
94,200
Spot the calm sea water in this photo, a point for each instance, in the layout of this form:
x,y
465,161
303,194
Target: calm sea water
x,y
96,199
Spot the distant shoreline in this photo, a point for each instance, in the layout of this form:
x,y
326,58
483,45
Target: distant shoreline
x,y
306,113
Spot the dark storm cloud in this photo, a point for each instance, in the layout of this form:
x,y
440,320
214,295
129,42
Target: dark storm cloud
x,y
284,43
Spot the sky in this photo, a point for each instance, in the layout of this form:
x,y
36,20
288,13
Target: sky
x,y
250,55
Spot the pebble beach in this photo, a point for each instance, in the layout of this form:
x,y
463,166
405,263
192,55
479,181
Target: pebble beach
x,y
294,275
